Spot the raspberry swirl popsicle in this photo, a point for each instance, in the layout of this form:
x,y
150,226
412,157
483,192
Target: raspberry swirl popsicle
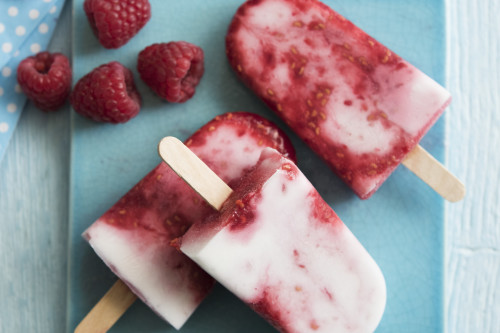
x,y
278,246
133,236
356,103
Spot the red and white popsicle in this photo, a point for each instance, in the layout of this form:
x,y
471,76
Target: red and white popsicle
x,y
277,245
133,236
356,103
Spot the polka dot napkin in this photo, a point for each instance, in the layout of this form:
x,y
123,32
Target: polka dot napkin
x,y
25,29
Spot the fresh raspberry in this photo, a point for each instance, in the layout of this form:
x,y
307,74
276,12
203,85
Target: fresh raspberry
x,y
46,79
172,70
107,94
115,22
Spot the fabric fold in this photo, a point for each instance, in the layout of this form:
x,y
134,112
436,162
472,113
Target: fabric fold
x,y
26,28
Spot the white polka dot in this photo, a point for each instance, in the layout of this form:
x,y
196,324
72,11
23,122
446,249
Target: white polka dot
x,y
33,14
35,47
20,30
47,0
13,11
6,71
4,127
17,88
2,28
11,107
6,47
1,91
53,10
43,28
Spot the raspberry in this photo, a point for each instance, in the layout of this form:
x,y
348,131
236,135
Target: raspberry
x,y
172,70
107,94
46,79
115,22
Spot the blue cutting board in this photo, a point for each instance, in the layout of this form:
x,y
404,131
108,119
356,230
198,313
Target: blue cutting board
x,y
402,225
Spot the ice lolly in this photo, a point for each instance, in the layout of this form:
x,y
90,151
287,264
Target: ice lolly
x,y
356,103
277,245
133,236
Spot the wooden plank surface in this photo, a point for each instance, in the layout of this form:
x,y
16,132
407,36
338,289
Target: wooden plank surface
x,y
473,154
34,190
34,215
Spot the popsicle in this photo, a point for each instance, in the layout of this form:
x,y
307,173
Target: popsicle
x,y
277,245
133,236
356,103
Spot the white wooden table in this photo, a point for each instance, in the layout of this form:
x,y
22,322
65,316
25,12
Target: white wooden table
x,y
34,190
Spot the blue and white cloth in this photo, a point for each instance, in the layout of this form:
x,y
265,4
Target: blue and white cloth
x,y
25,29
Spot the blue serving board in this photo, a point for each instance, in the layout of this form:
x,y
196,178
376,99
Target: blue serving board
x,y
402,225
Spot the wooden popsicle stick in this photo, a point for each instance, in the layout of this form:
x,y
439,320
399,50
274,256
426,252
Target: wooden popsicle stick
x,y
189,167
194,171
108,310
427,168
